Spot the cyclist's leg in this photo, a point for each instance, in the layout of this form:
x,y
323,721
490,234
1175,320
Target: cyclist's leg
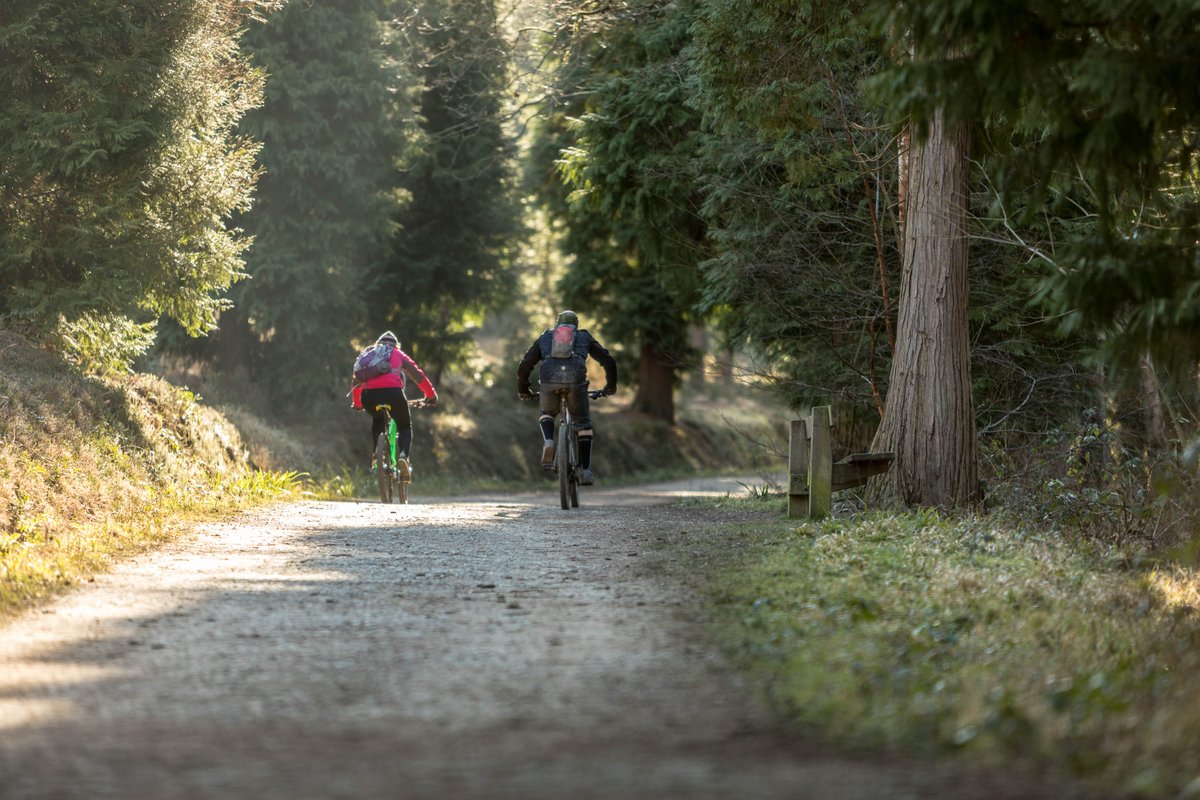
x,y
403,418
577,401
550,402
370,399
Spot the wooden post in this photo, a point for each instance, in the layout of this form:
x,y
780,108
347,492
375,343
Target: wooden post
x,y
798,470
820,468
812,475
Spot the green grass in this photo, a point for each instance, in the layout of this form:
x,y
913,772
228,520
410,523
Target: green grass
x,y
45,553
914,631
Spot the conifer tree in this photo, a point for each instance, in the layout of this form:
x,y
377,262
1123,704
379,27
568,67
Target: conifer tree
x,y
1093,110
799,178
120,166
452,257
632,218
332,127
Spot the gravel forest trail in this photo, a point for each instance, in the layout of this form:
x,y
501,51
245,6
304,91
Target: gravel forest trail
x,y
490,647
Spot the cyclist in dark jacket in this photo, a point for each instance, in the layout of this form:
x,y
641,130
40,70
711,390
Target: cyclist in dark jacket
x,y
563,352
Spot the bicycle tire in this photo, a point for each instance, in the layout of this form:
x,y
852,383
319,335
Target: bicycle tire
x,y
401,487
563,464
573,491
383,471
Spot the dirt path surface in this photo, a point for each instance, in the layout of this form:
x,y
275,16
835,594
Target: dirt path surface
x,y
486,649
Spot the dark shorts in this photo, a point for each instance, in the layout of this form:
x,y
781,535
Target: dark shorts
x,y
552,395
391,396
394,397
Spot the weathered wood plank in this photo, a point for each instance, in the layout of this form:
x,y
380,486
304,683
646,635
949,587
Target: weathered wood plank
x,y
855,470
798,469
820,465
812,475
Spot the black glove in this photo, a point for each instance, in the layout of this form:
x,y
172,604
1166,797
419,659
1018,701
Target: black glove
x,y
430,402
524,393
609,391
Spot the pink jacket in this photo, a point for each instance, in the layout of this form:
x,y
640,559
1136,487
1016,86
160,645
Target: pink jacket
x,y
394,379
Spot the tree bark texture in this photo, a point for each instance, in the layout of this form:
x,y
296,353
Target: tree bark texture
x,y
929,417
656,385
1155,415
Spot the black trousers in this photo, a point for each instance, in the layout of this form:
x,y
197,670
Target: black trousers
x,y
395,398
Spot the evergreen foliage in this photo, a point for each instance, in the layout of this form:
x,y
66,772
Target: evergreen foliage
x,y
1092,111
632,218
332,128
120,166
800,186
453,255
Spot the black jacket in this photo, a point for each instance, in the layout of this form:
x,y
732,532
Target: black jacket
x,y
585,345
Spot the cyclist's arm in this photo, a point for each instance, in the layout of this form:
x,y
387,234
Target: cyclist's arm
x,y
418,375
605,359
532,356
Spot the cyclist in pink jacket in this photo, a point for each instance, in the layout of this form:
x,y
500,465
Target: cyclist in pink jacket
x,y
388,389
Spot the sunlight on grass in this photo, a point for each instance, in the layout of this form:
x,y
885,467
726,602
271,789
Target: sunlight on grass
x,y
457,425
1178,588
94,469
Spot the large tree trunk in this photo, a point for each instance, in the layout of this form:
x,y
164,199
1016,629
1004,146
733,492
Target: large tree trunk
x,y
235,345
697,379
656,385
1154,413
929,418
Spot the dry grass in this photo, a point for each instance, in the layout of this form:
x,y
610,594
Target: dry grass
x,y
90,469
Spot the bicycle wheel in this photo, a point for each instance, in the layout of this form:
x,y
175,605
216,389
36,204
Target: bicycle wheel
x,y
562,462
573,490
383,468
401,485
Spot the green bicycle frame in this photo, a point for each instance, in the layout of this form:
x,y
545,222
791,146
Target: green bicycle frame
x,y
393,434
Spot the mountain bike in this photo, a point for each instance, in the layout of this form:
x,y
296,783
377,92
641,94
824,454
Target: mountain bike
x,y
566,452
393,474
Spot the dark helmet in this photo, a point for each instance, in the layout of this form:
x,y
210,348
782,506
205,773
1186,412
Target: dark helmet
x,y
568,318
389,337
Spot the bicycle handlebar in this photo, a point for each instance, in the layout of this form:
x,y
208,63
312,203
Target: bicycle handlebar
x,y
594,394
418,403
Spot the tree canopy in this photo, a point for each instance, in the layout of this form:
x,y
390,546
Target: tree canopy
x,y
121,166
741,167
453,255
633,227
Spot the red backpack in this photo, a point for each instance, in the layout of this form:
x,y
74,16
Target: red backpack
x,y
563,343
